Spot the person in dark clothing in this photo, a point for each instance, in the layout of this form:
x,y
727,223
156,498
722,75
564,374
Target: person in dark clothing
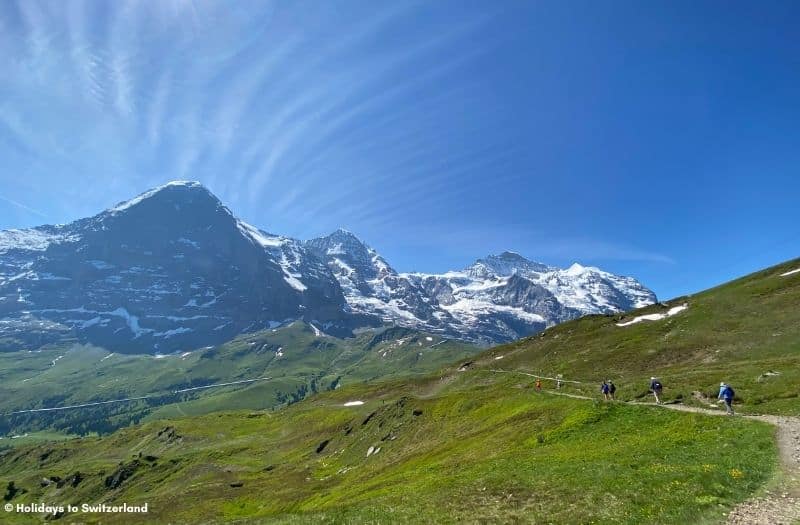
x,y
656,387
726,394
604,390
612,390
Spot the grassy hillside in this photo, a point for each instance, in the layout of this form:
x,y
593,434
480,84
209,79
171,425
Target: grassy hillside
x,y
479,445
746,332
472,443
297,360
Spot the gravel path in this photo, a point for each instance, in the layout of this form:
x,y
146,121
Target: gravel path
x,y
780,506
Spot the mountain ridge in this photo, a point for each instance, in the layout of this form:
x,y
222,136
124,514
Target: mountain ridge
x,y
497,298
173,269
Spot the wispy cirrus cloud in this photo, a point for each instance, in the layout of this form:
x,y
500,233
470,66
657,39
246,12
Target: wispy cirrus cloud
x,y
24,207
249,100
296,124
459,242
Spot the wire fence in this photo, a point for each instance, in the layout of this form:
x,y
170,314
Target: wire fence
x,y
133,399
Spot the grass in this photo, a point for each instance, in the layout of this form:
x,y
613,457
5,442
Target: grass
x,y
60,375
502,452
32,438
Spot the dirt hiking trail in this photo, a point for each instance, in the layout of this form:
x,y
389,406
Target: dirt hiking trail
x,y
780,505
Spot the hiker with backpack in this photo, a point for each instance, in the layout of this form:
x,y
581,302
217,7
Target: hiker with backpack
x,y
538,385
656,387
726,394
604,389
612,390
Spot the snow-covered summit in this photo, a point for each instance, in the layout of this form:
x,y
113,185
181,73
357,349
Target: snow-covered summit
x,y
175,187
351,257
504,265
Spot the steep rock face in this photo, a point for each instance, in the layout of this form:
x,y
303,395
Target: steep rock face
x,y
168,270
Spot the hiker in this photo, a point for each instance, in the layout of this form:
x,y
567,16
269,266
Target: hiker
x,y
726,394
604,390
656,387
538,385
612,390
558,381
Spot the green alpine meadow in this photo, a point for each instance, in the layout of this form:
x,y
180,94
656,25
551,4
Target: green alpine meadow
x,y
475,441
265,369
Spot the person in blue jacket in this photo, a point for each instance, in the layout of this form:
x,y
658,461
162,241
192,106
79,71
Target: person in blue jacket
x,y
656,387
726,394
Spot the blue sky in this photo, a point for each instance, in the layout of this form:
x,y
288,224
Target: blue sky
x,y
656,139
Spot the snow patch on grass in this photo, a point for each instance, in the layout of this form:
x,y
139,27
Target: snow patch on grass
x,y
656,317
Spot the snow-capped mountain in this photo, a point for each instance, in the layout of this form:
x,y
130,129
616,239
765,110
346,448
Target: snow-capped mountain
x,y
498,298
171,269
174,269
373,287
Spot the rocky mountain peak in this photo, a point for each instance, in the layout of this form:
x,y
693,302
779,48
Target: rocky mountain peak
x,y
340,242
171,193
176,205
349,254
504,265
168,270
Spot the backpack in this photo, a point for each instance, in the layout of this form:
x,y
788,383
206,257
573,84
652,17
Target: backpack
x,y
728,393
657,385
